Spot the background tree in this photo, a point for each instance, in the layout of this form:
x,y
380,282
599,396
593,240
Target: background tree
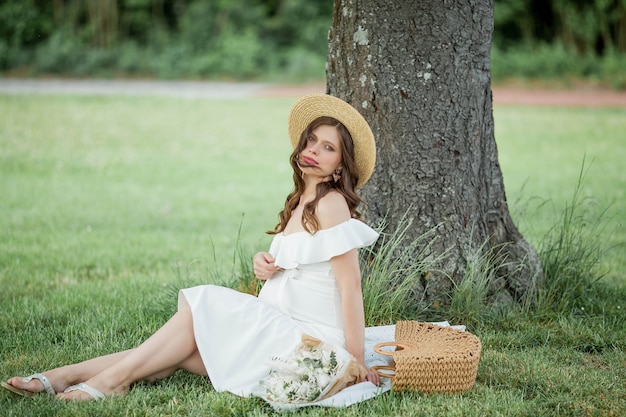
x,y
419,72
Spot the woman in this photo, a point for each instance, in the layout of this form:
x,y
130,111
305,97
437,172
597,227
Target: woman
x,y
312,282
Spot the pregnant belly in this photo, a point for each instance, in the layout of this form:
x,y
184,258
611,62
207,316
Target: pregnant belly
x,y
311,297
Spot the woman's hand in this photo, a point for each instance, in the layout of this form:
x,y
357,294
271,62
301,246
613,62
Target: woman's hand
x,y
372,377
264,268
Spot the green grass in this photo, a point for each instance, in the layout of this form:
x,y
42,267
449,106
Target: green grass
x,y
107,203
541,152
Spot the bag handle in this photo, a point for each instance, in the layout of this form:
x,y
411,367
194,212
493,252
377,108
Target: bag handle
x,y
384,371
399,346
389,371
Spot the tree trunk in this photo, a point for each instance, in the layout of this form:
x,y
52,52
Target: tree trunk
x,y
419,72
103,21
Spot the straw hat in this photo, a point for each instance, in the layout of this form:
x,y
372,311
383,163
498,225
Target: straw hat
x,y
312,106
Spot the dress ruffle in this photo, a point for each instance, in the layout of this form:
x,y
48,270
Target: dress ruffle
x,y
302,248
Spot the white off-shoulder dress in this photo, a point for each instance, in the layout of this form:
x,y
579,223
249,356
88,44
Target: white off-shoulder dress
x,y
237,333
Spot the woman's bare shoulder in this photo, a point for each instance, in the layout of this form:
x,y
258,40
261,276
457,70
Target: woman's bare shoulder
x,y
332,209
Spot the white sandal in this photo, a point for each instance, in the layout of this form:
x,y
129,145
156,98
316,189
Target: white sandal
x,y
91,391
47,385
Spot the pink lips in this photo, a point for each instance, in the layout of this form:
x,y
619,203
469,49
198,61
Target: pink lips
x,y
309,161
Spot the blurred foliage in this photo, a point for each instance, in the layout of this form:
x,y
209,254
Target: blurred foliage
x,y
166,38
585,26
556,39
279,39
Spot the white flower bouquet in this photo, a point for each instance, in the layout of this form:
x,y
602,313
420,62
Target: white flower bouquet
x,y
314,371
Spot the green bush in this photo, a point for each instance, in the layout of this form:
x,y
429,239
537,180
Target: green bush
x,y
613,70
300,64
534,61
240,54
23,24
556,62
132,59
4,52
60,53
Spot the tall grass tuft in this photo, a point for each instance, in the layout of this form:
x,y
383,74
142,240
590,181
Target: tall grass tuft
x,y
570,253
469,298
392,272
241,275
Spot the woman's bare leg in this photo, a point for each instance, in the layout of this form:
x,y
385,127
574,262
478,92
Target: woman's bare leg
x,y
193,364
172,347
64,376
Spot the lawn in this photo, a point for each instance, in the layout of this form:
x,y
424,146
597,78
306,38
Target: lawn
x,y
108,204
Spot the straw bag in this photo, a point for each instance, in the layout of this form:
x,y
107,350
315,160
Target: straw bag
x,y
430,358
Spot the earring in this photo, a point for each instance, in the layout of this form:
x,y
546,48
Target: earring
x,y
337,174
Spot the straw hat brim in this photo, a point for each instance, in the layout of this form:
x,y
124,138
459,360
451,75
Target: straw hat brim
x,y
312,106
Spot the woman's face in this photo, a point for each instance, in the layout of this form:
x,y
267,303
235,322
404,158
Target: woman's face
x,y
322,153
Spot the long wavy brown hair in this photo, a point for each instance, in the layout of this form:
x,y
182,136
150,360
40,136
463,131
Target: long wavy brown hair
x,y
346,185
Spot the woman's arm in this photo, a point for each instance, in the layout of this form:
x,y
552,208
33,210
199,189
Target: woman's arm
x,y
348,275
331,210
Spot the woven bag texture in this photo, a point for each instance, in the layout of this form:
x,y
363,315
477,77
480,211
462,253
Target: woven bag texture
x,y
444,359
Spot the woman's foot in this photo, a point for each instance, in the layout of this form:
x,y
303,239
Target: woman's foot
x,y
93,389
35,383
83,391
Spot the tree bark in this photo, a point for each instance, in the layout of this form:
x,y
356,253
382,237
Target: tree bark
x,y
103,21
419,72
